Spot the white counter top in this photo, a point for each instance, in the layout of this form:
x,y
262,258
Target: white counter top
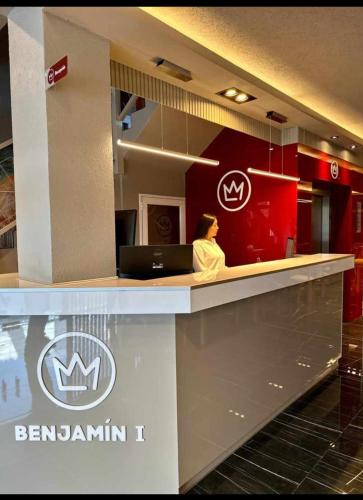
x,y
177,294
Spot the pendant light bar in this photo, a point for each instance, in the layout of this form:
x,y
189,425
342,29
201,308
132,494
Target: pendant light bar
x,y
272,174
166,152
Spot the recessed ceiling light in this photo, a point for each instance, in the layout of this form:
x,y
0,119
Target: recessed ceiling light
x,y
334,137
353,146
230,92
242,97
236,95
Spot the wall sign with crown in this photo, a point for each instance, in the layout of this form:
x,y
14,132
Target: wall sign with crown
x,y
84,394
234,190
78,376
56,72
334,170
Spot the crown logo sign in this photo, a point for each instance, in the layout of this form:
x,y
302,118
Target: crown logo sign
x,y
82,343
334,169
233,187
76,360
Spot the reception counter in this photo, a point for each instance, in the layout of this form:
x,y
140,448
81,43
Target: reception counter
x,y
129,386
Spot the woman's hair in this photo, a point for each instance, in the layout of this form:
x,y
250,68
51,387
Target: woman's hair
x,y
203,225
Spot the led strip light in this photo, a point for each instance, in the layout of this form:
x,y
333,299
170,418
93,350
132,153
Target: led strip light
x,y
166,152
272,174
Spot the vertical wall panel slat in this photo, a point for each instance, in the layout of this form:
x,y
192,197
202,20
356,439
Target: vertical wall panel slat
x,y
149,87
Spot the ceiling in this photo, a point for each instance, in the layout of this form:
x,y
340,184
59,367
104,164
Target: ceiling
x,y
311,54
303,62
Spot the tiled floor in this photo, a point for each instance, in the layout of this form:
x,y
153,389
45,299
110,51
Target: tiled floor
x,y
314,446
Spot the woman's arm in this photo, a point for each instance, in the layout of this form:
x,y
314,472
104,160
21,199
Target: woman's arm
x,y
199,263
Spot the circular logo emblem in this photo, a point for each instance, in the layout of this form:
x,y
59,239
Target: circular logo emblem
x,y
76,371
234,190
334,169
164,225
51,76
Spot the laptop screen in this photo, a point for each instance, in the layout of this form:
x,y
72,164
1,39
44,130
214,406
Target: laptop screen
x,y
155,261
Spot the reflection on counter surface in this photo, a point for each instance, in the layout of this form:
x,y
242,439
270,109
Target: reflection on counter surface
x,y
16,399
23,339
239,364
314,446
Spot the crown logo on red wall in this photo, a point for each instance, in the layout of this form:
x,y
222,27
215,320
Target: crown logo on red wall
x,y
334,170
234,190
228,191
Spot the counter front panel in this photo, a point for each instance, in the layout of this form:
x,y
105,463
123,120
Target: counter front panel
x,y
240,364
143,387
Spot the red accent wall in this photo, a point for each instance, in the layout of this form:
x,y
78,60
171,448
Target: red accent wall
x,y
342,237
259,230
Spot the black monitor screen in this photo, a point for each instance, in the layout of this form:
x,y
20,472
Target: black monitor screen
x,y
289,252
125,229
155,261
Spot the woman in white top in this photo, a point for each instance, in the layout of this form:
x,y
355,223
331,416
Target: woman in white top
x,y
207,254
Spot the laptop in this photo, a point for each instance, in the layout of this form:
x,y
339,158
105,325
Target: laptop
x,y
155,261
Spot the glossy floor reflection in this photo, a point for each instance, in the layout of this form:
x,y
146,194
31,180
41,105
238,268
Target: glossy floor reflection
x,y
314,446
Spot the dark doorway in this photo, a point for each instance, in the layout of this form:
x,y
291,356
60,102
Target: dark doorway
x,y
331,218
321,218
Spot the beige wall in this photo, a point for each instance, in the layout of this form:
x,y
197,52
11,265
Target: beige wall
x,y
30,142
79,130
62,150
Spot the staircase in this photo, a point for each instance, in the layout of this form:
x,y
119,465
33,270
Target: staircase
x,y
134,115
7,189
8,252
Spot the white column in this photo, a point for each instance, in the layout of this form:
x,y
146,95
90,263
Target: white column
x,y
62,150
